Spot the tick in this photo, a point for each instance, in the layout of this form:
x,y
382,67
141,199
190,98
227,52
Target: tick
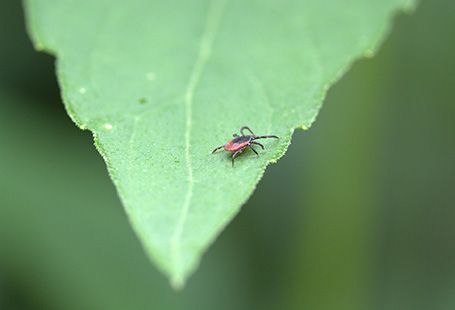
x,y
239,143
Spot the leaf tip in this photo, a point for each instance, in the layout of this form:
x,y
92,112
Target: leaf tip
x,y
177,282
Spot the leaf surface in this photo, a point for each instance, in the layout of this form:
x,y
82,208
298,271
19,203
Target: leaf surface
x,y
162,83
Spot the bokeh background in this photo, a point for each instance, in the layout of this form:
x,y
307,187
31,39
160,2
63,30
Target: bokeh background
x,y
359,214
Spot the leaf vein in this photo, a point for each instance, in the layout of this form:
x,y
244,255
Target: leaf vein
x,y
213,19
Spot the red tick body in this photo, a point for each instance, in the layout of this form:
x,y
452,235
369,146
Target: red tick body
x,y
239,143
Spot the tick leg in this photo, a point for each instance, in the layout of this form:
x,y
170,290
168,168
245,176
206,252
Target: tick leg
x,y
235,135
258,144
247,128
253,149
239,151
262,137
217,149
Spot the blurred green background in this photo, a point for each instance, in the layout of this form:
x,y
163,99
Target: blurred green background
x,y
359,214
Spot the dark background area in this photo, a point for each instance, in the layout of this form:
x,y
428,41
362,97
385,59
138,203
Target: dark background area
x,y
359,214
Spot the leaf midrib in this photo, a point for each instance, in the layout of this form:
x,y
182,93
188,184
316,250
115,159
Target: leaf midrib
x,y
212,22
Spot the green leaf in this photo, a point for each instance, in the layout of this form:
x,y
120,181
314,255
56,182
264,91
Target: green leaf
x,y
162,83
